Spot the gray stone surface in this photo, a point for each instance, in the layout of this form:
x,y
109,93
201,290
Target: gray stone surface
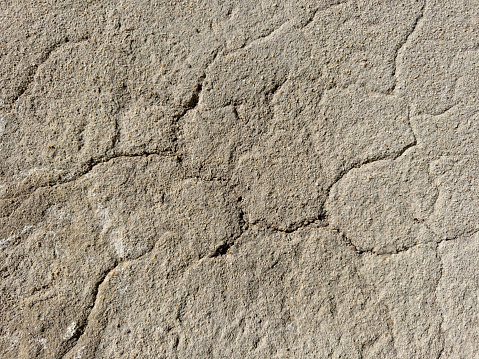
x,y
228,179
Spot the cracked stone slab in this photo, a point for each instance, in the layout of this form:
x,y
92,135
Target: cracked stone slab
x,y
453,133
358,41
440,57
63,240
222,179
406,284
286,178
255,301
384,206
456,179
457,297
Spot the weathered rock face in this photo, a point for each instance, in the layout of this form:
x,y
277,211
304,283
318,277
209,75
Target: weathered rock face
x,y
223,179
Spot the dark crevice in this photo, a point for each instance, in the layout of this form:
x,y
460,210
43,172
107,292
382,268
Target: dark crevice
x,y
465,234
221,249
96,289
272,92
92,163
26,83
225,246
441,331
442,111
260,38
181,309
208,179
311,18
192,103
358,250
116,136
319,221
377,158
89,165
367,344
322,220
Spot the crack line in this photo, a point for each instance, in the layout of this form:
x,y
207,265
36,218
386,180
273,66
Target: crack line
x,y
33,70
190,105
401,44
263,38
225,246
219,251
322,219
319,9
441,331
96,290
83,326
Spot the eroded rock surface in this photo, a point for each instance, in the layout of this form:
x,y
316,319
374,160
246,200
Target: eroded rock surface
x,y
222,179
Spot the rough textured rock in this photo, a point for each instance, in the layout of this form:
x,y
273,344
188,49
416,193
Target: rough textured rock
x,y
222,179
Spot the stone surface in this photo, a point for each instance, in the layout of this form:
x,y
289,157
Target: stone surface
x,y
222,179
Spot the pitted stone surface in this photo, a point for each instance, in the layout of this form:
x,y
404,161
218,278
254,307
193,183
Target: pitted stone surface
x,y
250,302
384,206
222,179
459,280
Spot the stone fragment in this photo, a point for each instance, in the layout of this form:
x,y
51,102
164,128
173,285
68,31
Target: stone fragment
x,y
456,210
385,206
285,179
59,245
440,57
274,295
457,297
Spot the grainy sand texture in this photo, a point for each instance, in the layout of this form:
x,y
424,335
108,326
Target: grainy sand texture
x,y
239,179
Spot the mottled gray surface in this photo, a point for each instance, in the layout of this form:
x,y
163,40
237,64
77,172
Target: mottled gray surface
x,y
239,179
